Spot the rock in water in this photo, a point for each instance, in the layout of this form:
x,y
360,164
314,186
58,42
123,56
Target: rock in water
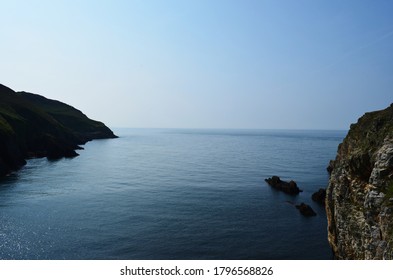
x,y
359,195
319,196
306,210
287,187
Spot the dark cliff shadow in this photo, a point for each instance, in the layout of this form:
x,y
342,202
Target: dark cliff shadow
x,y
7,181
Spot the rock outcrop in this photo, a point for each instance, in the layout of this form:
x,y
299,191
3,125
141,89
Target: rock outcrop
x,y
359,195
330,167
287,187
319,196
306,210
34,126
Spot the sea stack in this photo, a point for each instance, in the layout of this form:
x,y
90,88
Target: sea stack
x,y
359,198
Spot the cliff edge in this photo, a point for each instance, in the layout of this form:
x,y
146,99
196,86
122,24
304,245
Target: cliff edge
x,y
34,126
359,199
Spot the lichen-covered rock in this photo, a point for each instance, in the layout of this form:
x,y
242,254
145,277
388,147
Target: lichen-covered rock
x,y
359,196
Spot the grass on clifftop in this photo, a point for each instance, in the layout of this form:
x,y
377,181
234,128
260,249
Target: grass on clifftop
x,y
372,129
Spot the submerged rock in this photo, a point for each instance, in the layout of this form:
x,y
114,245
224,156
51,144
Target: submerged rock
x,y
287,187
306,210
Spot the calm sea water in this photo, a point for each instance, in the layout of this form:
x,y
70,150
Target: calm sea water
x,y
171,194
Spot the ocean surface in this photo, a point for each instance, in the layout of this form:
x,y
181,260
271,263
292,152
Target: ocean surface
x,y
171,194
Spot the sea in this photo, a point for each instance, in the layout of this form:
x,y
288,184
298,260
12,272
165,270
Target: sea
x,y
176,194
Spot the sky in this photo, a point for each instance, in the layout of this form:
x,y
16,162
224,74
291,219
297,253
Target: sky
x,y
268,64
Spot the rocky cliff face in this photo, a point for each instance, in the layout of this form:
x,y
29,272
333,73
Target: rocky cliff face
x,y
34,126
359,199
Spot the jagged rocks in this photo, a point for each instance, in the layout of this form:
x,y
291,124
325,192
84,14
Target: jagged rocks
x,y
319,196
292,189
287,187
306,210
330,167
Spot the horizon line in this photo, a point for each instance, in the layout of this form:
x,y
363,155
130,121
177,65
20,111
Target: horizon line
x,y
223,128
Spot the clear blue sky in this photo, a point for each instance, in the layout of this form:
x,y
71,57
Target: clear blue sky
x,y
204,64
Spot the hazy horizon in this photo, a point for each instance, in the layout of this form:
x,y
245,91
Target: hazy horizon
x,y
204,64
225,128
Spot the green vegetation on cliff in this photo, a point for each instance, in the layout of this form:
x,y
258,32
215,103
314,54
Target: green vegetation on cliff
x,y
34,126
366,136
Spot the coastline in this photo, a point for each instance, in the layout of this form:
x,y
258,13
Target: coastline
x,y
34,126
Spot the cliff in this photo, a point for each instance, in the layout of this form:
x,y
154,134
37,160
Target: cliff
x,y
34,126
359,199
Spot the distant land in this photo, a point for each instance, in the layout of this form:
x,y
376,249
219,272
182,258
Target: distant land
x,y
34,126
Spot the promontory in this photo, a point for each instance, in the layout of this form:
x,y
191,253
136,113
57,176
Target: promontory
x,y
359,198
34,126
